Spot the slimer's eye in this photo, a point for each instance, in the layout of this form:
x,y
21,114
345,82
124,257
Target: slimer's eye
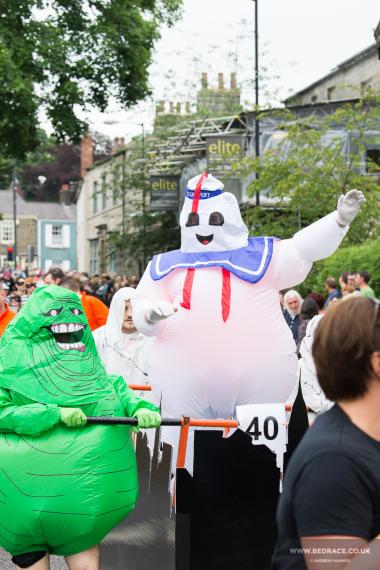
x,y
216,219
76,311
52,312
192,220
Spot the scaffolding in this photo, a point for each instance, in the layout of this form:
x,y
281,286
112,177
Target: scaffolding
x,y
189,144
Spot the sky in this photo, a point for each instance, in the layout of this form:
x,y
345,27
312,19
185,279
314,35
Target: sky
x,y
299,42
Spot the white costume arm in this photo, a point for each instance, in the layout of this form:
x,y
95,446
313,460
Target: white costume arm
x,y
148,294
293,258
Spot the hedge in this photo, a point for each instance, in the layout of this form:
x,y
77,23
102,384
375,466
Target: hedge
x,y
364,257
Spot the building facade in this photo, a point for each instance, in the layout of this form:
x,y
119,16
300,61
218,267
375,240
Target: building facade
x,y
105,205
351,79
45,232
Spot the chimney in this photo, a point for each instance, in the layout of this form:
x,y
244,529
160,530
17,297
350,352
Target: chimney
x,y
204,83
233,81
118,144
86,154
220,81
160,107
65,194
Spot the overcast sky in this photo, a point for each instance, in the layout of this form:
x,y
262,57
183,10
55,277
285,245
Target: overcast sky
x,y
300,41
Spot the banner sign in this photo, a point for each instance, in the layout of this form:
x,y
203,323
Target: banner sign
x,y
164,192
222,152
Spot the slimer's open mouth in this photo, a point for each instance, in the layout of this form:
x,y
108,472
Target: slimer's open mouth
x,y
68,336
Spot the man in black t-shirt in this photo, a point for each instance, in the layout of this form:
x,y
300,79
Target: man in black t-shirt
x,y
329,511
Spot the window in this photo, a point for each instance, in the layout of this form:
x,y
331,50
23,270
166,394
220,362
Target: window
x,y
372,159
365,86
314,98
93,256
57,235
7,234
330,93
104,192
95,197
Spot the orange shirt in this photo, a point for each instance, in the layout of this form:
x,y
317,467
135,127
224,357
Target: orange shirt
x,y
6,318
95,310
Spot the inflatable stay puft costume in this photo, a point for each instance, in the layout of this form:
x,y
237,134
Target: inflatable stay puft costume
x,y
226,342
62,489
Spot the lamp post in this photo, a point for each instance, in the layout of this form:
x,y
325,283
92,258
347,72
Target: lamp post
x,y
257,124
14,188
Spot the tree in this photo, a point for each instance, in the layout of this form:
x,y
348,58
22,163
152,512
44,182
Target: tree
x,y
61,55
314,161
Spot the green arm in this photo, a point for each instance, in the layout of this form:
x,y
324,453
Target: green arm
x,y
30,419
131,403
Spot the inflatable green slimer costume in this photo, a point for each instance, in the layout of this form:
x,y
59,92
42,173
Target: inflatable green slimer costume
x,y
61,489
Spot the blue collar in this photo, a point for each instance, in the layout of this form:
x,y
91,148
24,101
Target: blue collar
x,y
247,263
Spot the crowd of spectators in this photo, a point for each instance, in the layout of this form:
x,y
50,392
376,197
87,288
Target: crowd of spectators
x,y
96,291
298,311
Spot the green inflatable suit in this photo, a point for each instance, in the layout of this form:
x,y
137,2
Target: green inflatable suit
x,y
61,489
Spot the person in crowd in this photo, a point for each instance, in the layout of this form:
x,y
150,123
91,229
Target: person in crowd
x,y
309,309
14,302
312,392
363,282
6,315
8,281
123,350
21,290
95,310
331,490
332,291
292,303
318,298
54,276
352,280
343,282
30,285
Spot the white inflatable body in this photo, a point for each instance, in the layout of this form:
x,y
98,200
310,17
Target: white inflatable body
x,y
200,365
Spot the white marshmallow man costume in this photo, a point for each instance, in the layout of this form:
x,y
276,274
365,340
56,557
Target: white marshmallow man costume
x,y
228,344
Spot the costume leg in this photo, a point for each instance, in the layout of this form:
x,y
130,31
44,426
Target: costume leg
x,y
87,560
32,561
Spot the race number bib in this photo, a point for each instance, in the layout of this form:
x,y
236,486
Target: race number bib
x,y
266,425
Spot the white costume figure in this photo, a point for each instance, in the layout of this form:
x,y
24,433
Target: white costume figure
x,y
212,306
124,354
313,394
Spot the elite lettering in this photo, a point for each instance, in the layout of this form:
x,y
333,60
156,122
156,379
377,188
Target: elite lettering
x,y
223,147
164,184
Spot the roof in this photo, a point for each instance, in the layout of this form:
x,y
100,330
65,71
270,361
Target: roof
x,y
367,52
38,210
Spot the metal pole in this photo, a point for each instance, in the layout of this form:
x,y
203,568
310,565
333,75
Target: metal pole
x,y
14,183
257,125
143,193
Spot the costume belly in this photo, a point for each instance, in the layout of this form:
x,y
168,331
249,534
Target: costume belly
x,y
205,366
64,490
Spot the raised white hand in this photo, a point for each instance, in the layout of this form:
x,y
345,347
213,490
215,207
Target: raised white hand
x,y
348,206
161,310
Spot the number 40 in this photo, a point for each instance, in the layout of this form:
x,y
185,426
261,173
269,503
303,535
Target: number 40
x,y
254,431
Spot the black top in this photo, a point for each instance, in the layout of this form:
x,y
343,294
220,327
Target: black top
x,y
293,323
331,487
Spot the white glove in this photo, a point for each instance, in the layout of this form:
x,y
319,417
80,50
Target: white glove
x,y
162,310
348,206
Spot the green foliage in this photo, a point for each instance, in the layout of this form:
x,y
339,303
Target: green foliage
x,y
363,257
309,168
61,55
